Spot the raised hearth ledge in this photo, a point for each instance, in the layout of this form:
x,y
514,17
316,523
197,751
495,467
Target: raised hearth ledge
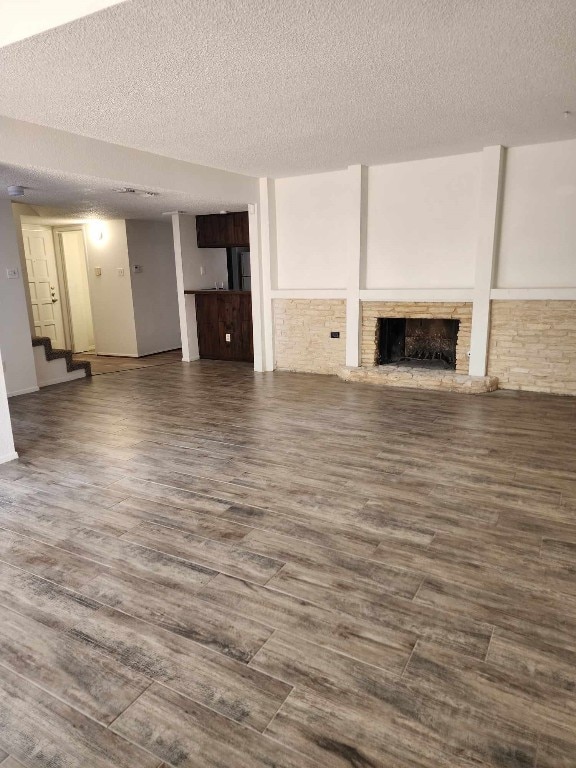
x,y
420,378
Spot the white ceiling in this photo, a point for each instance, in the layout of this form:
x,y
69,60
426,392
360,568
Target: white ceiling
x,y
85,197
280,87
24,18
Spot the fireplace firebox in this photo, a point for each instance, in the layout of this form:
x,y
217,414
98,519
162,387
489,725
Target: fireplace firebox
x,y
422,342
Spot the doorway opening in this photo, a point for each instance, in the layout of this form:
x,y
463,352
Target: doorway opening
x,y
57,274
71,258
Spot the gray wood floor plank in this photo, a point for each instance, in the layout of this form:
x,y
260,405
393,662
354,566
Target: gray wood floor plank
x,y
226,558
41,731
43,600
492,687
338,564
202,523
370,603
132,558
180,612
361,639
79,675
209,678
45,561
187,735
403,731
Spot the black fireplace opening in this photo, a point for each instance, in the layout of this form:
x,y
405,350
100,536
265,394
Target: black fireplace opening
x,y
418,342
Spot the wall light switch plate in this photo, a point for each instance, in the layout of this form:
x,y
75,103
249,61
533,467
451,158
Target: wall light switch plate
x,y
334,334
12,274
202,270
98,271
120,271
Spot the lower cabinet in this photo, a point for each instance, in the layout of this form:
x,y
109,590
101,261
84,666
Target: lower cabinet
x,y
224,320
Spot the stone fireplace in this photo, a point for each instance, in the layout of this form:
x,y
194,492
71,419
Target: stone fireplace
x,y
418,342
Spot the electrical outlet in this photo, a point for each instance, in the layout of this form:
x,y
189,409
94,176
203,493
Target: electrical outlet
x,y
228,338
12,274
137,269
98,271
334,334
120,271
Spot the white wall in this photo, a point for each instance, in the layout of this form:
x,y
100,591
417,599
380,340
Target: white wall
x,y
312,231
111,294
422,223
538,238
7,451
151,246
15,336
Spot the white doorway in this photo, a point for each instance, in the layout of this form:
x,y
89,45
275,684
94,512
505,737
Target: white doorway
x,y
71,250
43,284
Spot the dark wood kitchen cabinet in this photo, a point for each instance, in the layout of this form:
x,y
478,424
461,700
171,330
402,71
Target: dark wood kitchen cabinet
x,y
224,322
223,230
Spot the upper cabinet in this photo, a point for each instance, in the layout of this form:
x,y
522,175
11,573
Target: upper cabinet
x,y
223,230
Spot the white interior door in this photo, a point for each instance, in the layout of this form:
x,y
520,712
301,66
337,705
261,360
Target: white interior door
x,y
43,285
80,312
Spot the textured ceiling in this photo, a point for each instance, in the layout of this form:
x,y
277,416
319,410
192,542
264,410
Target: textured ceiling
x,y
24,18
86,197
280,87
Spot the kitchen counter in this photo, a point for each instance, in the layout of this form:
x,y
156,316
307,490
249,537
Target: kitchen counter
x,y
219,292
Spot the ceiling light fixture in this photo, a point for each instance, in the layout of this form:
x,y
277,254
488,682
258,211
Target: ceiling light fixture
x,y
14,190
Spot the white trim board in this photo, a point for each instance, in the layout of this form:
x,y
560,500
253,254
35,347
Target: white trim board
x,y
308,293
417,294
533,294
26,391
8,457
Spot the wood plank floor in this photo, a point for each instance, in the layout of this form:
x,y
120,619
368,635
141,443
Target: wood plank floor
x,y
112,364
203,567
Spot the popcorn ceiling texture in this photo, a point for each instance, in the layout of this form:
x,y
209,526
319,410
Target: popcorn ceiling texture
x,y
372,310
302,334
533,345
321,85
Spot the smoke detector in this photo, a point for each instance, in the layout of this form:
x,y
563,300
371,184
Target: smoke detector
x,y
14,190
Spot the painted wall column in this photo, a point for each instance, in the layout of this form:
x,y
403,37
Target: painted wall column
x,y
7,450
186,303
493,161
358,178
266,271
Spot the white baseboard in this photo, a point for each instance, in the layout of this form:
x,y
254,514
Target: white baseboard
x,y
115,354
26,391
62,380
8,457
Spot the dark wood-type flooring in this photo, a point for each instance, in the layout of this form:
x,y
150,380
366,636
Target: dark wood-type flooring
x,y
202,566
112,364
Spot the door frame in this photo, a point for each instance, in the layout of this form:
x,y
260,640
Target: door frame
x,y
41,227
63,279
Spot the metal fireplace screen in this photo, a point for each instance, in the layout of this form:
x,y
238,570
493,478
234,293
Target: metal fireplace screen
x,y
426,342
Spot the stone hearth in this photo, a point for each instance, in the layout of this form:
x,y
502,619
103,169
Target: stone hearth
x,y
420,378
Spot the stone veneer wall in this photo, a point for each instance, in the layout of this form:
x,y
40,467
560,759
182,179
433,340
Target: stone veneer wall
x,y
533,345
302,334
372,310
